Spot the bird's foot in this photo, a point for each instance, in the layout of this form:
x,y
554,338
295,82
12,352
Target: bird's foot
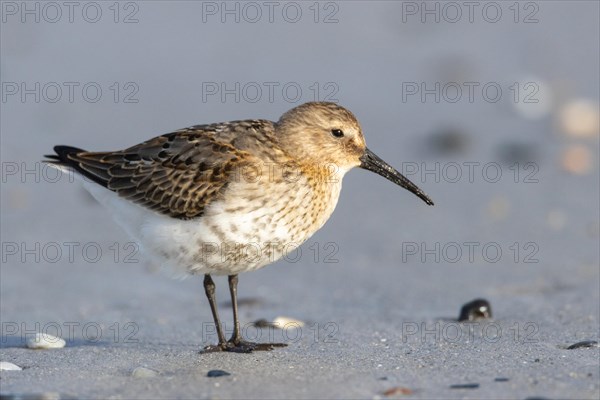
x,y
241,346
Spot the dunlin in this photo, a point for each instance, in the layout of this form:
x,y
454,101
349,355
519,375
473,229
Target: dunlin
x,y
230,197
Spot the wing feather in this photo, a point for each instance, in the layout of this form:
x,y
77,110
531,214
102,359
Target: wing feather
x,y
177,174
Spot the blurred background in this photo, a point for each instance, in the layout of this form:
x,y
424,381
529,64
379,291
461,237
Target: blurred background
x,y
490,107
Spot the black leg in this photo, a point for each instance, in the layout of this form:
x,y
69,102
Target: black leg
x,y
209,288
236,344
236,338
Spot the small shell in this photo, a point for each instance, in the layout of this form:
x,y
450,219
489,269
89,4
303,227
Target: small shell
x,y
7,366
45,341
143,372
584,344
286,322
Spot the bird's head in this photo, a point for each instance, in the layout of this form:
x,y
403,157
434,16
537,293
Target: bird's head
x,y
329,137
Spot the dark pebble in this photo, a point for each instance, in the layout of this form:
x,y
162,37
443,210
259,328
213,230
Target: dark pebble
x,y
513,152
215,373
584,344
262,323
476,309
448,141
465,386
501,380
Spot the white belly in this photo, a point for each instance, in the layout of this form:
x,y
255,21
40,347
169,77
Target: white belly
x,y
233,236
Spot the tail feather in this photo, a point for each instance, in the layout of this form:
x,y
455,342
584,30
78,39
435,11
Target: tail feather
x,y
66,156
62,154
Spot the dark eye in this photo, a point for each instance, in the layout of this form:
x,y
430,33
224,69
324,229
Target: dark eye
x,y
337,133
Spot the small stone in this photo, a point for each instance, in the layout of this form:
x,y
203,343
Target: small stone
x,y
143,372
475,310
397,391
45,341
215,373
516,152
580,118
449,141
465,386
262,323
8,366
583,345
577,159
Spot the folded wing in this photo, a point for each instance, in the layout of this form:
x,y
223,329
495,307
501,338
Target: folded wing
x,y
177,174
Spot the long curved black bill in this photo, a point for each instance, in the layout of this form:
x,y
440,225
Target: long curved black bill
x,y
370,161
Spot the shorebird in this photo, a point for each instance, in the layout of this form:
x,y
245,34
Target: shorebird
x,y
231,197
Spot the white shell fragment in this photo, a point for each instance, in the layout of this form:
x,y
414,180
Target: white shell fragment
x,y
7,366
286,322
45,341
143,372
